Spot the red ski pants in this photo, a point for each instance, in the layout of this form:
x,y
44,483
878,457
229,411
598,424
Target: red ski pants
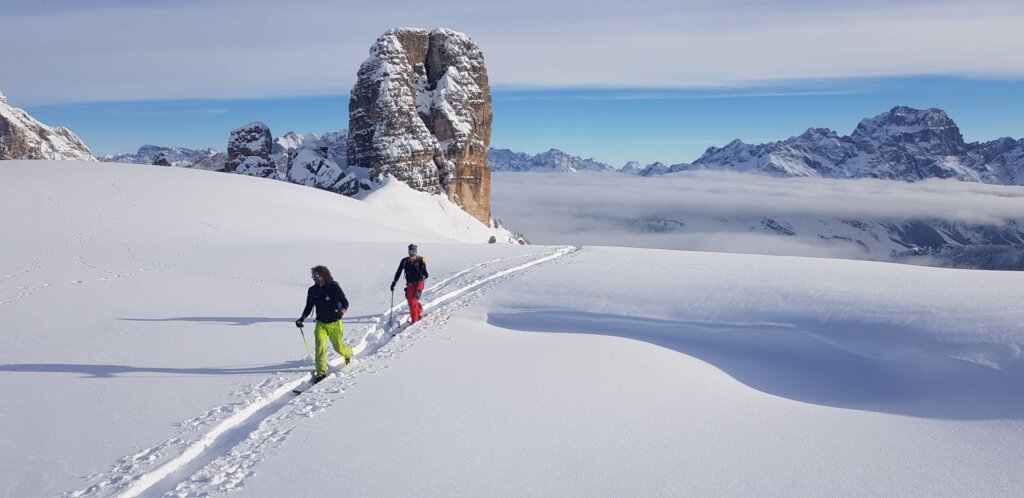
x,y
412,294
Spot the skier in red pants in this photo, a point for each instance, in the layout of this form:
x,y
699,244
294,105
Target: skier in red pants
x,y
415,268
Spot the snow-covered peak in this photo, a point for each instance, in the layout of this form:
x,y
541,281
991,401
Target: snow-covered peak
x,y
903,120
23,137
292,140
631,167
818,133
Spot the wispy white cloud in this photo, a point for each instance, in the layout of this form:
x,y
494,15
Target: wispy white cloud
x,y
120,50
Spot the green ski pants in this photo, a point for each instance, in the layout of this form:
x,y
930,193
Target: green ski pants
x,y
333,331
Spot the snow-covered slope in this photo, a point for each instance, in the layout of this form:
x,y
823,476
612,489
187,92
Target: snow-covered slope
x,y
148,349
433,212
626,372
23,137
134,299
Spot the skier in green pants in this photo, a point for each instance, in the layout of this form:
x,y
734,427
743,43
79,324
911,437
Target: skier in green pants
x,y
330,303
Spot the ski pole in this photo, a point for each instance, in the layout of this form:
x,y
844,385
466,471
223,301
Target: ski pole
x,y
308,353
392,319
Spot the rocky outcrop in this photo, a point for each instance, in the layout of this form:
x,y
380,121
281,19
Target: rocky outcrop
x,y
311,165
22,137
161,160
249,149
287,146
421,111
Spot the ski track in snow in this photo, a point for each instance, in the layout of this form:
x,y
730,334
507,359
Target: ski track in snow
x,y
216,452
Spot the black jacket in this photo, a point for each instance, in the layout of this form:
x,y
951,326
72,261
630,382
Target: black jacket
x,y
328,301
414,272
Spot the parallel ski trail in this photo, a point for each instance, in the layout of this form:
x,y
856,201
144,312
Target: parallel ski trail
x,y
249,426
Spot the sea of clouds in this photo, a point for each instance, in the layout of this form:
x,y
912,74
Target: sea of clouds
x,y
605,209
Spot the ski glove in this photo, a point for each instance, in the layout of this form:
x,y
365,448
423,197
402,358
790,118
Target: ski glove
x,y
392,287
298,323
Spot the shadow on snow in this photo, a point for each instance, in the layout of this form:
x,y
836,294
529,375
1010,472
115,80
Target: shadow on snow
x,y
107,371
885,370
245,320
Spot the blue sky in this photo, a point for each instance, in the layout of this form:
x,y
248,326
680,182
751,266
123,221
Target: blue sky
x,y
611,125
651,80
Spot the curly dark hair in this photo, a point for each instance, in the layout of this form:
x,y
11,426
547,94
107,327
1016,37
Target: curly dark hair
x,y
324,272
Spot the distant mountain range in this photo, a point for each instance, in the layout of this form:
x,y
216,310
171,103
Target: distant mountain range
x,y
901,144
553,160
175,156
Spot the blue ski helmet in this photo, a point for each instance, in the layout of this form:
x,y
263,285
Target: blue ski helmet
x,y
412,247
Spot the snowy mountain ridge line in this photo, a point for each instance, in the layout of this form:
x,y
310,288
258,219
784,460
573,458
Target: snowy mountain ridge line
x,y
371,342
553,160
901,144
176,156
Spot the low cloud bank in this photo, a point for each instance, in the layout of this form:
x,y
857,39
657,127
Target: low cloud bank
x,y
713,211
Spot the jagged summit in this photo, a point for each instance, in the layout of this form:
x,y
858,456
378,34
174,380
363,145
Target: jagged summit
x,y
903,119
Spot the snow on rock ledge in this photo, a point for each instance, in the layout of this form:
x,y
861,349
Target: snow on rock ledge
x,y
249,151
421,111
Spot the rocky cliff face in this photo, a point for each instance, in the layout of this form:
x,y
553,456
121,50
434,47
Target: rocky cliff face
x,y
22,137
249,149
421,111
